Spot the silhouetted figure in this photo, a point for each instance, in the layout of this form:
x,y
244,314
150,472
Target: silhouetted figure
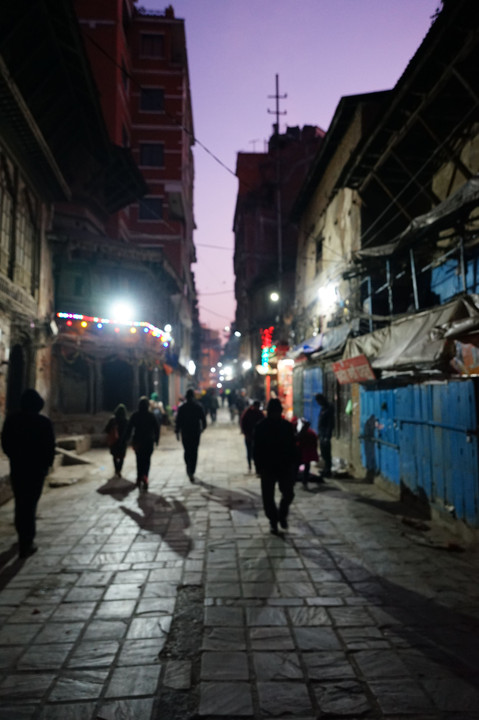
x,y
115,430
325,432
28,440
213,404
242,403
275,457
249,419
307,442
190,423
146,434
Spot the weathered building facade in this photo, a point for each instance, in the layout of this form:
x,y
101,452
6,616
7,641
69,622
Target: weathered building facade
x,y
407,284
265,246
53,145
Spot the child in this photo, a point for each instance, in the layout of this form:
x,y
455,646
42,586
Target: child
x,y
115,431
307,443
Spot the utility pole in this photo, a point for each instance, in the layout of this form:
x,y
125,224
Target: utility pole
x,y
277,97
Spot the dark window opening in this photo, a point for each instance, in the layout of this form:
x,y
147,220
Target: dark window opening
x,y
150,209
152,154
152,45
152,99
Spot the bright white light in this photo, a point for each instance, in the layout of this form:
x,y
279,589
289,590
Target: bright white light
x,y
191,367
213,370
247,365
122,312
274,296
222,377
168,328
237,333
328,296
219,385
227,370
227,328
220,364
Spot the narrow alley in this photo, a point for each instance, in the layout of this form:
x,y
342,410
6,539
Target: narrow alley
x,y
179,604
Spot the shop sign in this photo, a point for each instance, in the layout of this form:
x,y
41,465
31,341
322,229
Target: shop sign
x,y
355,369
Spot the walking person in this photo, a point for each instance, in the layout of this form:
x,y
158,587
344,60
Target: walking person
x,y
275,457
307,442
146,434
325,432
249,419
115,430
190,423
28,440
214,405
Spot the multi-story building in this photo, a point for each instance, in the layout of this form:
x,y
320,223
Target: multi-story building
x,y
55,152
265,246
399,225
139,253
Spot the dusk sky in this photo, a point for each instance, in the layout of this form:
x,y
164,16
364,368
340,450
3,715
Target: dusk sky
x,y
321,50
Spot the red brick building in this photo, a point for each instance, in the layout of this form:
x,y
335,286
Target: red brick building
x,y
138,251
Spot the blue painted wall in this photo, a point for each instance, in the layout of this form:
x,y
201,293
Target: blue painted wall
x,y
425,437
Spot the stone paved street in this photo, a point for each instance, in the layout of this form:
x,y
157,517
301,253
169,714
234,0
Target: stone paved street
x,y
179,604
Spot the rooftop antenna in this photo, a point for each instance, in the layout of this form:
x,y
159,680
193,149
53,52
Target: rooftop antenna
x,y
277,111
279,220
253,143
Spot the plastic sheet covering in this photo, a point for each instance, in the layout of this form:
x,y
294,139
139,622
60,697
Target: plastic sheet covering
x,y
422,341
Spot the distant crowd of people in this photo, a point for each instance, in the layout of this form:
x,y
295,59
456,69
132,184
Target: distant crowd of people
x,y
277,448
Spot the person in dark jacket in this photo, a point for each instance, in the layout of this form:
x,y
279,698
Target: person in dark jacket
x,y
325,432
28,440
115,430
249,419
146,434
190,423
275,457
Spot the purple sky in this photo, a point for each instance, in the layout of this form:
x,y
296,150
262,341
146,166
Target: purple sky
x,y
321,50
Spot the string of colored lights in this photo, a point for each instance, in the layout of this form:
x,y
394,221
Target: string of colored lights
x,y
100,322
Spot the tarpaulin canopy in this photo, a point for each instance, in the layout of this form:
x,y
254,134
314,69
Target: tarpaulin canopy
x,y
330,341
422,341
442,216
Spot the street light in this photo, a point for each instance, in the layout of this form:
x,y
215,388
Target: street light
x,y
247,365
274,297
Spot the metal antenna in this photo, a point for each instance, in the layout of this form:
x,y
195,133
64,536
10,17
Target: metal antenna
x,y
277,111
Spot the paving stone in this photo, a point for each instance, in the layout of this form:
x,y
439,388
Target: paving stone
x,y
93,653
132,709
270,638
277,666
265,616
316,638
224,638
224,666
25,686
137,652
45,657
79,685
227,698
279,698
401,698
131,681
77,711
343,698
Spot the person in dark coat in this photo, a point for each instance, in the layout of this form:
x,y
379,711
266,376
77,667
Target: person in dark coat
x,y
249,419
115,430
28,440
146,434
190,423
275,456
307,442
325,432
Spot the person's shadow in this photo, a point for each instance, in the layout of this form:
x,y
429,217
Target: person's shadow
x,y
243,502
117,487
164,518
8,569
